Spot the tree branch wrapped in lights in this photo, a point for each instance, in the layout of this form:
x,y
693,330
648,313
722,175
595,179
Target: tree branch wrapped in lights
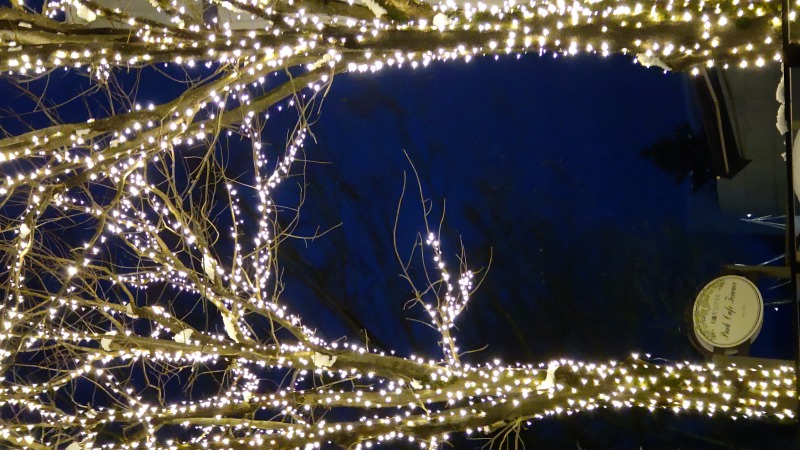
x,y
107,227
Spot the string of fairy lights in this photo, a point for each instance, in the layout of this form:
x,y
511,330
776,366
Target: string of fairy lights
x,y
684,34
76,317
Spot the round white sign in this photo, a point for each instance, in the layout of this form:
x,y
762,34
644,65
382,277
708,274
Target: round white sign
x,y
728,312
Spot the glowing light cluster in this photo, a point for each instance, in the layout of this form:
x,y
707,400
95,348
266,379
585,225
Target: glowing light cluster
x,y
120,227
682,34
450,302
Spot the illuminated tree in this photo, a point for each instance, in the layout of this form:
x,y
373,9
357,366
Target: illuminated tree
x,y
141,252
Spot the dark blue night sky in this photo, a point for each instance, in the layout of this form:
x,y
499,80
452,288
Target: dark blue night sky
x,y
538,160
